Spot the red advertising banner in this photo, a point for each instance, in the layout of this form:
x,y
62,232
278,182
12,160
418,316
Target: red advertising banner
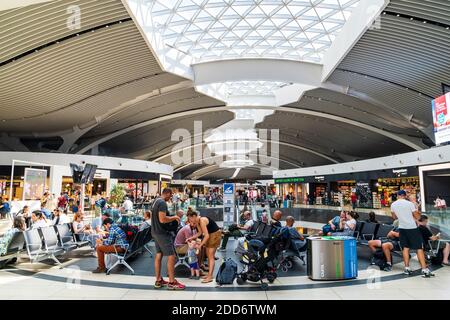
x,y
441,118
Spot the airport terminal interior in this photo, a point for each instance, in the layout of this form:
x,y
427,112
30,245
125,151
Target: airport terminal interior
x,y
224,149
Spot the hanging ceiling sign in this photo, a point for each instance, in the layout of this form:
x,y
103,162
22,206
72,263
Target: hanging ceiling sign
x,y
441,118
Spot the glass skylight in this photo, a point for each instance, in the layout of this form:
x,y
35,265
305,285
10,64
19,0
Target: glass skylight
x,y
207,30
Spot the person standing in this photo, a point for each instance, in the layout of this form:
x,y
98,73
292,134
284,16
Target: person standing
x,y
127,205
410,236
212,235
164,241
62,202
354,200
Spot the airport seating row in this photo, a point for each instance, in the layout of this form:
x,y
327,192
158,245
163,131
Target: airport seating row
x,y
53,241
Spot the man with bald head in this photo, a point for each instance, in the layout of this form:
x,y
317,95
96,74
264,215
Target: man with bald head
x,y
296,237
276,219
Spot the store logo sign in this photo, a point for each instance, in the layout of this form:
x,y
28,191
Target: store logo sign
x,y
320,178
289,180
400,172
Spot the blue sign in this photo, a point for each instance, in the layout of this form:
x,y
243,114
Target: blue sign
x,y
228,188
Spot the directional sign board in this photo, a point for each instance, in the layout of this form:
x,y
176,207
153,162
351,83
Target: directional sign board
x,y
228,204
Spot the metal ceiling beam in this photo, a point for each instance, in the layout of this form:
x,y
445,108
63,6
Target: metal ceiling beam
x,y
264,141
411,142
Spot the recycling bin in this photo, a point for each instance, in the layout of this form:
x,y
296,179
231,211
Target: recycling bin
x,y
332,258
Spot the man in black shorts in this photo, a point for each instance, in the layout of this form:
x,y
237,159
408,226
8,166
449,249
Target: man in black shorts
x,y
387,245
410,237
164,241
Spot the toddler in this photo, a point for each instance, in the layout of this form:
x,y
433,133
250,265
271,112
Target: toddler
x,y
193,250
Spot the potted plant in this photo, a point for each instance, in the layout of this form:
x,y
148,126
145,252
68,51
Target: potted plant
x,y
117,194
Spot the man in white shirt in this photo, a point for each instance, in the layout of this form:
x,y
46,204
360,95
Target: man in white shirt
x,y
127,205
237,231
410,237
60,217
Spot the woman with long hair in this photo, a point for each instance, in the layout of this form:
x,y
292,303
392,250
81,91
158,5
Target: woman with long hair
x,y
212,236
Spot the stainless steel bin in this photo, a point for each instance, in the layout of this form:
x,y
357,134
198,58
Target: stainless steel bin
x,y
332,258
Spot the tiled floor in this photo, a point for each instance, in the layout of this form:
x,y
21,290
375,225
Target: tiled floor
x,y
75,281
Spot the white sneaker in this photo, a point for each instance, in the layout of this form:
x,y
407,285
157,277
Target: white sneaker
x,y
427,273
407,271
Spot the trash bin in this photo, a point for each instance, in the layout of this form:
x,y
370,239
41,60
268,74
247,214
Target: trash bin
x,y
332,258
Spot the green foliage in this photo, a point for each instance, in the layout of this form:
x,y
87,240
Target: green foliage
x,y
117,194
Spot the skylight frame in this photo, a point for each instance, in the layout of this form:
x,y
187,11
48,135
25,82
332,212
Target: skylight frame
x,y
233,28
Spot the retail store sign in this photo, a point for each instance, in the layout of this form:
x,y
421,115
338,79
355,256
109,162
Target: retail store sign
x,y
400,172
320,178
289,180
102,174
441,118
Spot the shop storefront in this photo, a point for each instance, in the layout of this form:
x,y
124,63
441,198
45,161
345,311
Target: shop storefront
x,y
295,188
373,189
24,183
385,189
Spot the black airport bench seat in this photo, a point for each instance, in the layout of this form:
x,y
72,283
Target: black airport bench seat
x,y
135,247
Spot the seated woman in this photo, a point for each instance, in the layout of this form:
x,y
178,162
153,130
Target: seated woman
x,y
147,220
39,220
347,225
83,231
18,226
26,215
333,225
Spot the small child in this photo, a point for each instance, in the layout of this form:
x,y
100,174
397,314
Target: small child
x,y
193,260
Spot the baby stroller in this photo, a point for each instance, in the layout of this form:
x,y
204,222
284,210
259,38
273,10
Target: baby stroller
x,y
259,253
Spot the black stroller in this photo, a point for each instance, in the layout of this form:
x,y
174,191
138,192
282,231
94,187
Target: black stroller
x,y
260,254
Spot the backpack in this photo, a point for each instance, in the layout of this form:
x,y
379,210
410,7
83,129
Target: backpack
x,y
379,258
130,231
227,272
437,259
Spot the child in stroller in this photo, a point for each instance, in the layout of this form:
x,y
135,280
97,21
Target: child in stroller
x,y
260,252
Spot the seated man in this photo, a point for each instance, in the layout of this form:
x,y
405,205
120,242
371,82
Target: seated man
x,y
237,232
298,240
389,244
428,235
181,245
276,218
116,241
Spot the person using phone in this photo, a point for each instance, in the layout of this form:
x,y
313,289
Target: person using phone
x,y
428,236
82,230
